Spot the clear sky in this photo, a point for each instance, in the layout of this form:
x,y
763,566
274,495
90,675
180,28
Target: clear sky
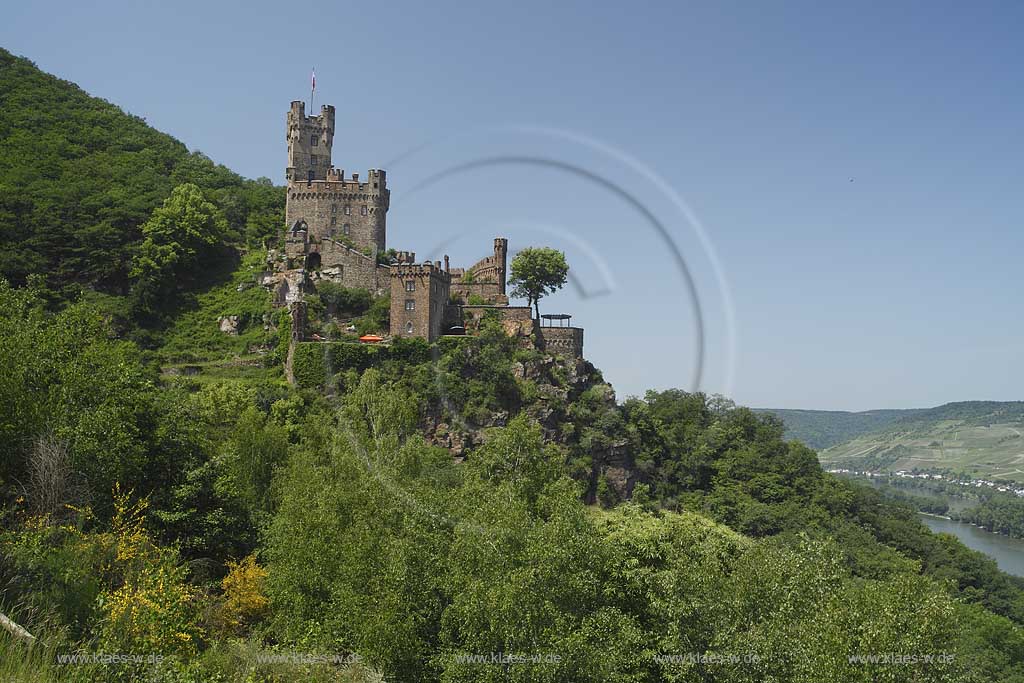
x,y
856,168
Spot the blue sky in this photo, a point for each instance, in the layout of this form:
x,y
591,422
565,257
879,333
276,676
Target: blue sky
x,y
855,168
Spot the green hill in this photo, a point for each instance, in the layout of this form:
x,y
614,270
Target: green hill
x,y
79,177
978,438
823,428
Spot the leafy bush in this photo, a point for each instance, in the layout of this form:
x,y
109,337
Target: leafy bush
x,y
149,607
377,318
343,301
309,366
244,600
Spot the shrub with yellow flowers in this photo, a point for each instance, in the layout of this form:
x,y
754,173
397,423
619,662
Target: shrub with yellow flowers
x,y
148,607
244,600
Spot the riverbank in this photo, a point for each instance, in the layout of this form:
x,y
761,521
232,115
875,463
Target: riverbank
x,y
1008,552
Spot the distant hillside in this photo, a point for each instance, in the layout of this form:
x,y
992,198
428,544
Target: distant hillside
x,y
823,428
79,177
979,438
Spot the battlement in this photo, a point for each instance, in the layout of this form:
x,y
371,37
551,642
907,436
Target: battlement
x,y
427,269
490,268
485,279
567,341
310,139
297,116
376,181
352,189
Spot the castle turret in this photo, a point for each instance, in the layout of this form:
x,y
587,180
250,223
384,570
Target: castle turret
x,y
500,262
309,143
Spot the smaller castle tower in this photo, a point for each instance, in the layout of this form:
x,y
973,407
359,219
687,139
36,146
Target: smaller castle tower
x,y
419,299
500,262
310,139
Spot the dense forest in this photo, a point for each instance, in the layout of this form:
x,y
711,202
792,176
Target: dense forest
x,y
472,510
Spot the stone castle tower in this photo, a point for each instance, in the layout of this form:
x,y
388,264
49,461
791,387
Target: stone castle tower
x,y
321,199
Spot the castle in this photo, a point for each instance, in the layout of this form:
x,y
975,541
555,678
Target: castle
x,y
336,231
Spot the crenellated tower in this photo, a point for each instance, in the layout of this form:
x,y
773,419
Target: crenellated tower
x,y
309,143
348,211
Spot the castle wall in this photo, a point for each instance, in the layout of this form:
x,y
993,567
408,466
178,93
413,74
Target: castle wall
x,y
566,341
487,277
338,263
490,292
419,300
516,320
342,209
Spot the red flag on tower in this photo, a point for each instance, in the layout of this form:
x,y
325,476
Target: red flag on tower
x,y
314,80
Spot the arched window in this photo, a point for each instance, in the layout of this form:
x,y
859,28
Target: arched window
x,y
408,327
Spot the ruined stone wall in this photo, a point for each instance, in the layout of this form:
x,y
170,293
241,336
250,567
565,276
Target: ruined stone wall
x,y
331,260
296,241
516,320
488,291
419,299
286,287
566,341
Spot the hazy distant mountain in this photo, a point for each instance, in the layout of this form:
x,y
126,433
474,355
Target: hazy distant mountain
x,y
823,428
979,438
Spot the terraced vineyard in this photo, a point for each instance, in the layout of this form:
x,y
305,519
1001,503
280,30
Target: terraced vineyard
x,y
982,439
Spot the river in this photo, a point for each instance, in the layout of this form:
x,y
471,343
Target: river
x,y
1007,552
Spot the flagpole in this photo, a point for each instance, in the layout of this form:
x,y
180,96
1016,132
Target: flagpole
x,y
312,90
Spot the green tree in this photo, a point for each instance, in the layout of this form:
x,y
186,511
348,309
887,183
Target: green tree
x,y
176,236
537,272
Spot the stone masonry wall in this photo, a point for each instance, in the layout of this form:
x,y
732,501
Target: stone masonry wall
x,y
488,291
517,320
342,209
348,267
310,139
487,276
566,341
419,300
